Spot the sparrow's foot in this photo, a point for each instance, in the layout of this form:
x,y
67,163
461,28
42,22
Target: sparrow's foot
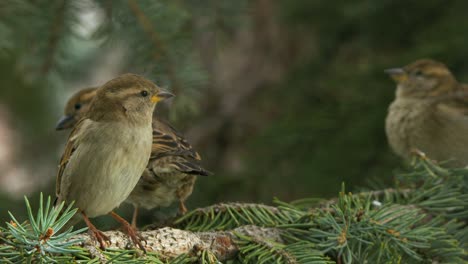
x,y
97,234
100,237
130,231
420,154
182,209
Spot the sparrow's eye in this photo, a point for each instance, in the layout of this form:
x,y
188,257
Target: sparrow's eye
x,y
77,106
144,93
418,73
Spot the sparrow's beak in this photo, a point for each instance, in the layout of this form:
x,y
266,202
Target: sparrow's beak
x,y
65,122
397,74
162,95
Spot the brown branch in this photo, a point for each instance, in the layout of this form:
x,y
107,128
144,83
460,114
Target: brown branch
x,y
56,30
169,242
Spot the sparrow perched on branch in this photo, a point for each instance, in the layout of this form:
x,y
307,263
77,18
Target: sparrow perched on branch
x,y
108,150
171,170
429,113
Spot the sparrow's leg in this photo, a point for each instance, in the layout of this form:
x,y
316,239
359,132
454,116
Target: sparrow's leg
x,y
182,209
420,154
96,233
130,231
134,217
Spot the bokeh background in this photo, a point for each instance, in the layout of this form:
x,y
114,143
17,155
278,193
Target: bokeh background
x,y
282,99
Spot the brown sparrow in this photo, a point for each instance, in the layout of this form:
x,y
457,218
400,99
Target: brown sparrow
x,y
429,113
108,149
76,107
171,170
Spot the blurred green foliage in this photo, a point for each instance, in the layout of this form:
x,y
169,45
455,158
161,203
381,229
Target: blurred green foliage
x,y
318,123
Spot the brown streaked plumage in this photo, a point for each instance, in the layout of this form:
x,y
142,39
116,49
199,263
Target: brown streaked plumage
x,y
171,170
429,113
108,150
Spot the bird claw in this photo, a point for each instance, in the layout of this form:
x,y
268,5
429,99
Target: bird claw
x,y
419,153
135,236
97,234
100,237
130,231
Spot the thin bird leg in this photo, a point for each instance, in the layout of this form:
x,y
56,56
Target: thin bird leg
x,y
130,231
96,233
418,153
134,217
182,209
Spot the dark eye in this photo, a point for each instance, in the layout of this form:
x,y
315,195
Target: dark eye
x,y
144,93
77,106
418,73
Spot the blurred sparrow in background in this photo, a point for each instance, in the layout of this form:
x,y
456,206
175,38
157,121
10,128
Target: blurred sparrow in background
x,y
108,150
429,113
76,107
171,170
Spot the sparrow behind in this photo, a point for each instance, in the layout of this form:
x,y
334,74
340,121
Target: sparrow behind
x,y
429,113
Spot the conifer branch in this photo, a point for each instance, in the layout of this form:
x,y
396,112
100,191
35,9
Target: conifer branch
x,y
422,222
57,27
160,50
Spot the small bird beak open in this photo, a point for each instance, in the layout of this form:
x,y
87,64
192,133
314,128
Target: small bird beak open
x,y
397,74
162,95
65,122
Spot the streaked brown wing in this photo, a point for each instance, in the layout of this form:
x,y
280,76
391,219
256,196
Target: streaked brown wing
x,y
70,147
176,164
167,141
456,102
172,151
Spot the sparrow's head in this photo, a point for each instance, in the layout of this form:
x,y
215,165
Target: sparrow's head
x,y
76,108
423,79
128,97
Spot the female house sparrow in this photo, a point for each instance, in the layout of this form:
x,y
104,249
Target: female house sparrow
x,y
76,107
429,113
171,170
108,150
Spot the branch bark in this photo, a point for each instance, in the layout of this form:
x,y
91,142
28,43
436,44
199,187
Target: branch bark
x,y
170,242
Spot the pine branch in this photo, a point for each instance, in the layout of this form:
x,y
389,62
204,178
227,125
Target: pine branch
x,y
422,222
55,33
160,50
226,216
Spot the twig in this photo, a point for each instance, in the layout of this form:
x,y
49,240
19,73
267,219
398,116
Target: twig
x,y
56,30
148,27
170,242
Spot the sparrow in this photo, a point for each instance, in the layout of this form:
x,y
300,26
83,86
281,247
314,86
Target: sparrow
x,y
429,113
76,107
108,149
172,168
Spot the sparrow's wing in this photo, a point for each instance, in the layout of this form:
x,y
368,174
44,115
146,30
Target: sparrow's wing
x,y
70,147
171,152
171,164
455,103
451,131
167,142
